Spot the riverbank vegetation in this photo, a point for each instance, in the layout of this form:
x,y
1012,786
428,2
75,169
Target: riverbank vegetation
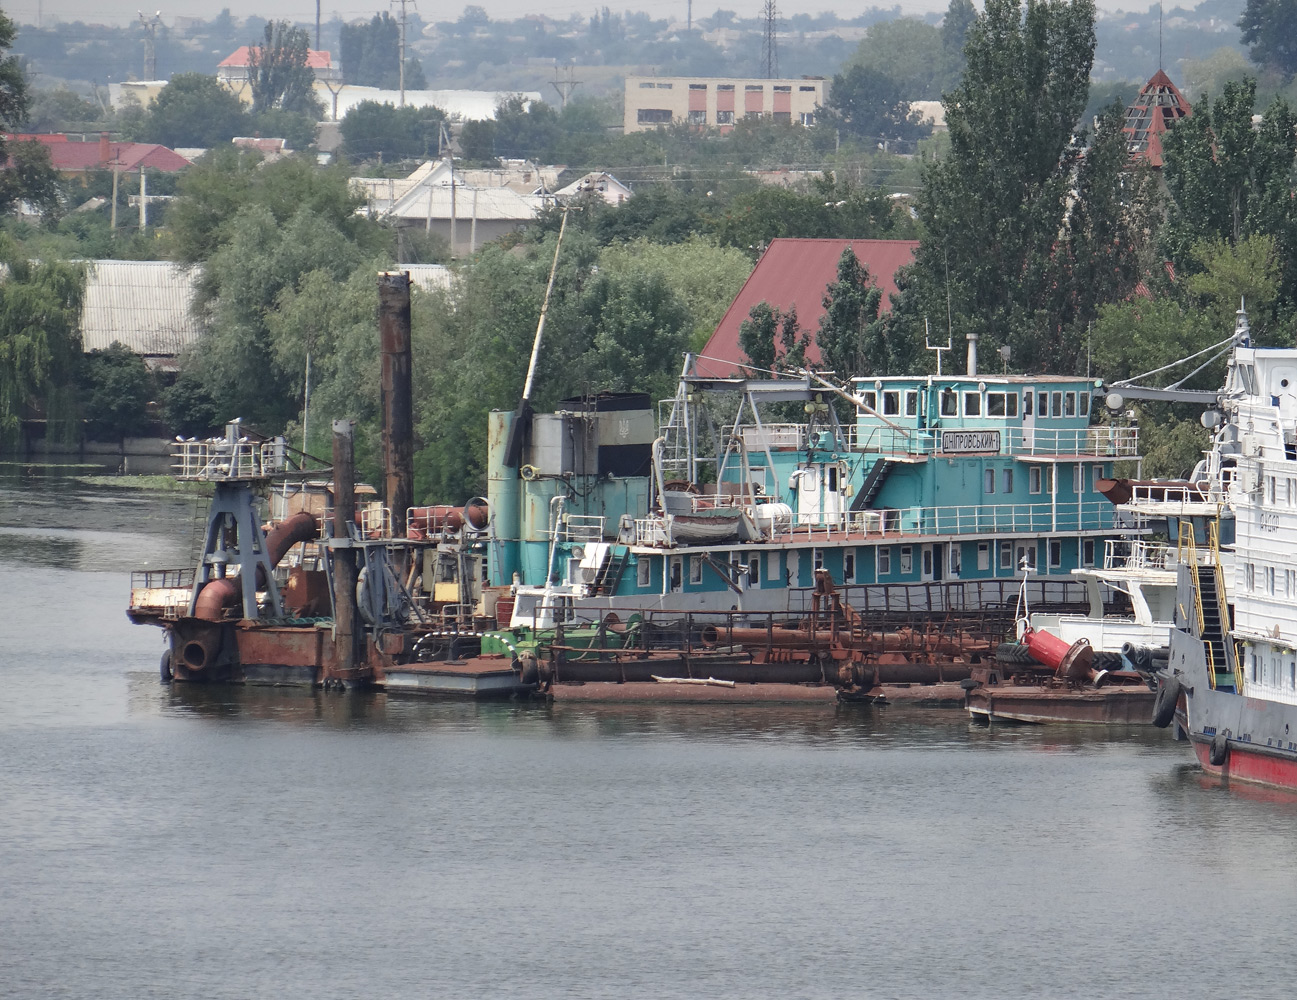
x,y
1034,232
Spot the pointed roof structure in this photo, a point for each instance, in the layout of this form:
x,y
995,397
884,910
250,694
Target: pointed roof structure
x,y
1158,106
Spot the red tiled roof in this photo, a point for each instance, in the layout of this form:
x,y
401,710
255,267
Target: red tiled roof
x,y
1159,105
796,272
71,157
315,59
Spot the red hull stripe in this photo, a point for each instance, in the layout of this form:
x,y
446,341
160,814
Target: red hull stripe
x,y
1246,765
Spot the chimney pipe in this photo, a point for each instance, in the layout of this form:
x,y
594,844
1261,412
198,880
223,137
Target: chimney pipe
x,y
398,413
972,355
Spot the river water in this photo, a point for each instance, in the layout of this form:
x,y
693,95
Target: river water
x,y
185,842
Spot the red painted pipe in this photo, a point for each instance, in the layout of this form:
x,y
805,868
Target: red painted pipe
x,y
219,594
444,517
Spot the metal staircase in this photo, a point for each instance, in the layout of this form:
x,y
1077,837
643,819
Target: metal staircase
x,y
1211,608
872,484
614,564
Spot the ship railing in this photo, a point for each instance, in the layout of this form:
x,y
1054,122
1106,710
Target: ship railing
x,y
970,519
1138,553
581,528
375,521
219,458
776,436
1176,495
1099,440
165,592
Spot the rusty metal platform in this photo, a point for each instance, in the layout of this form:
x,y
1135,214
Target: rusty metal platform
x,y
1123,705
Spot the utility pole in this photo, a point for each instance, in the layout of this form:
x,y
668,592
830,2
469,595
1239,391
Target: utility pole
x,y
769,45
317,25
402,47
150,23
689,7
564,87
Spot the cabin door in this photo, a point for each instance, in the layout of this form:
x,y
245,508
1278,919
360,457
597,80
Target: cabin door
x,y
934,561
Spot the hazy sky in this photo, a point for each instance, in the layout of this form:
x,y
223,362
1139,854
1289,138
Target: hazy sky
x,y
103,12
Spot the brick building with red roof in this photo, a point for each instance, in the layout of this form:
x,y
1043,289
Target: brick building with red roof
x,y
76,159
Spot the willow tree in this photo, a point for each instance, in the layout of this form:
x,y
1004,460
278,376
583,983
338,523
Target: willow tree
x,y
40,344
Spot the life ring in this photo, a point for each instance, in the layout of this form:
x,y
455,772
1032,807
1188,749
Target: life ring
x,y
1219,752
1168,694
164,668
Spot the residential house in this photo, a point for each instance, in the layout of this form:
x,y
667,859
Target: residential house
x,y
654,101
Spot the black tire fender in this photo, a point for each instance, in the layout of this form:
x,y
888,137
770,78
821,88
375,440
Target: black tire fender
x,y
1219,752
165,673
1168,694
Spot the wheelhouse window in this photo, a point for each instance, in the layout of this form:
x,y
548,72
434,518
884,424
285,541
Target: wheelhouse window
x,y
972,404
1007,480
884,561
949,403
1042,404
911,403
1034,479
1002,404
1087,552
1069,404
989,477
1055,553
1006,556
695,569
869,400
1027,397
891,403
1083,403
907,559
643,572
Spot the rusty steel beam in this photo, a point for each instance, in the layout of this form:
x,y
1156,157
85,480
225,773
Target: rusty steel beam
x,y
398,411
344,559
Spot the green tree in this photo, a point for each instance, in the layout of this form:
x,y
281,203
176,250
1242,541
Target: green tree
x,y
278,73
194,109
40,341
994,206
772,339
1270,29
295,128
372,130
61,110
850,334
525,129
116,388
242,283
1227,180
866,104
908,52
370,53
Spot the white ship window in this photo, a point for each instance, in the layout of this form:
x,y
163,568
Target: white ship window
x,y
772,566
1055,553
1269,580
989,478
949,403
884,562
1078,479
1033,479
1290,583
677,571
911,403
1270,490
1069,404
972,404
927,560
643,572
1249,573
695,569
1007,481
1083,403
1042,404
817,558
1056,404
1292,675
1256,666
907,559
1006,556
1002,404
1096,473
956,559
891,403
1027,397
849,566
983,556
1087,552
754,571
1292,491
869,399
1026,556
